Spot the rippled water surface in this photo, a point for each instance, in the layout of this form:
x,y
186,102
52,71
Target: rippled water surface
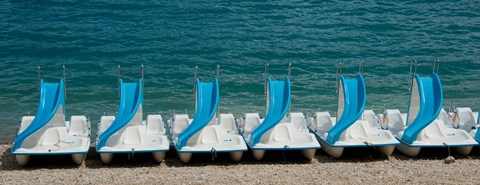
x,y
171,37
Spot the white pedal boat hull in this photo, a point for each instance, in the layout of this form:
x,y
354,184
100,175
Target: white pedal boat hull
x,y
72,139
148,137
214,138
290,135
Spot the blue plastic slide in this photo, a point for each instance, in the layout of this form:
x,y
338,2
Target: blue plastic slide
x,y
431,101
51,97
355,99
208,97
279,92
131,98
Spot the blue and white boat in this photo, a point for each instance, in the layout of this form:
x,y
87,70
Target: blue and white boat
x,y
279,130
462,118
48,133
127,132
421,127
208,131
353,126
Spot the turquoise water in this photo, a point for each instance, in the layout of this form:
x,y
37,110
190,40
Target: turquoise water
x,y
171,37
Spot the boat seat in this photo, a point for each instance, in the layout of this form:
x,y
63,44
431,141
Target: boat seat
x,y
132,136
358,130
395,120
181,123
281,133
228,123
51,137
370,117
209,136
435,130
252,120
78,126
466,120
155,124
445,117
298,120
324,122
105,121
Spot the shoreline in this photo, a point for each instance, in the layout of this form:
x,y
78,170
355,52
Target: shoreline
x,y
363,166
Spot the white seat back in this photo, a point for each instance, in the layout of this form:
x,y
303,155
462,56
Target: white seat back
x,y
181,123
281,133
209,136
323,121
155,124
445,118
227,122
298,120
132,136
465,118
50,137
370,117
395,121
436,129
78,126
251,122
358,130
105,122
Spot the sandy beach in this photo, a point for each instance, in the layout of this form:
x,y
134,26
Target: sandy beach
x,y
359,166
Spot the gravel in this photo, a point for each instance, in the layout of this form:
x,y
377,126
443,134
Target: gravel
x,y
358,166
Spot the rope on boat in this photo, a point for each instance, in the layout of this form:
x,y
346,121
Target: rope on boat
x,y
57,145
283,151
131,154
214,153
370,145
449,159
